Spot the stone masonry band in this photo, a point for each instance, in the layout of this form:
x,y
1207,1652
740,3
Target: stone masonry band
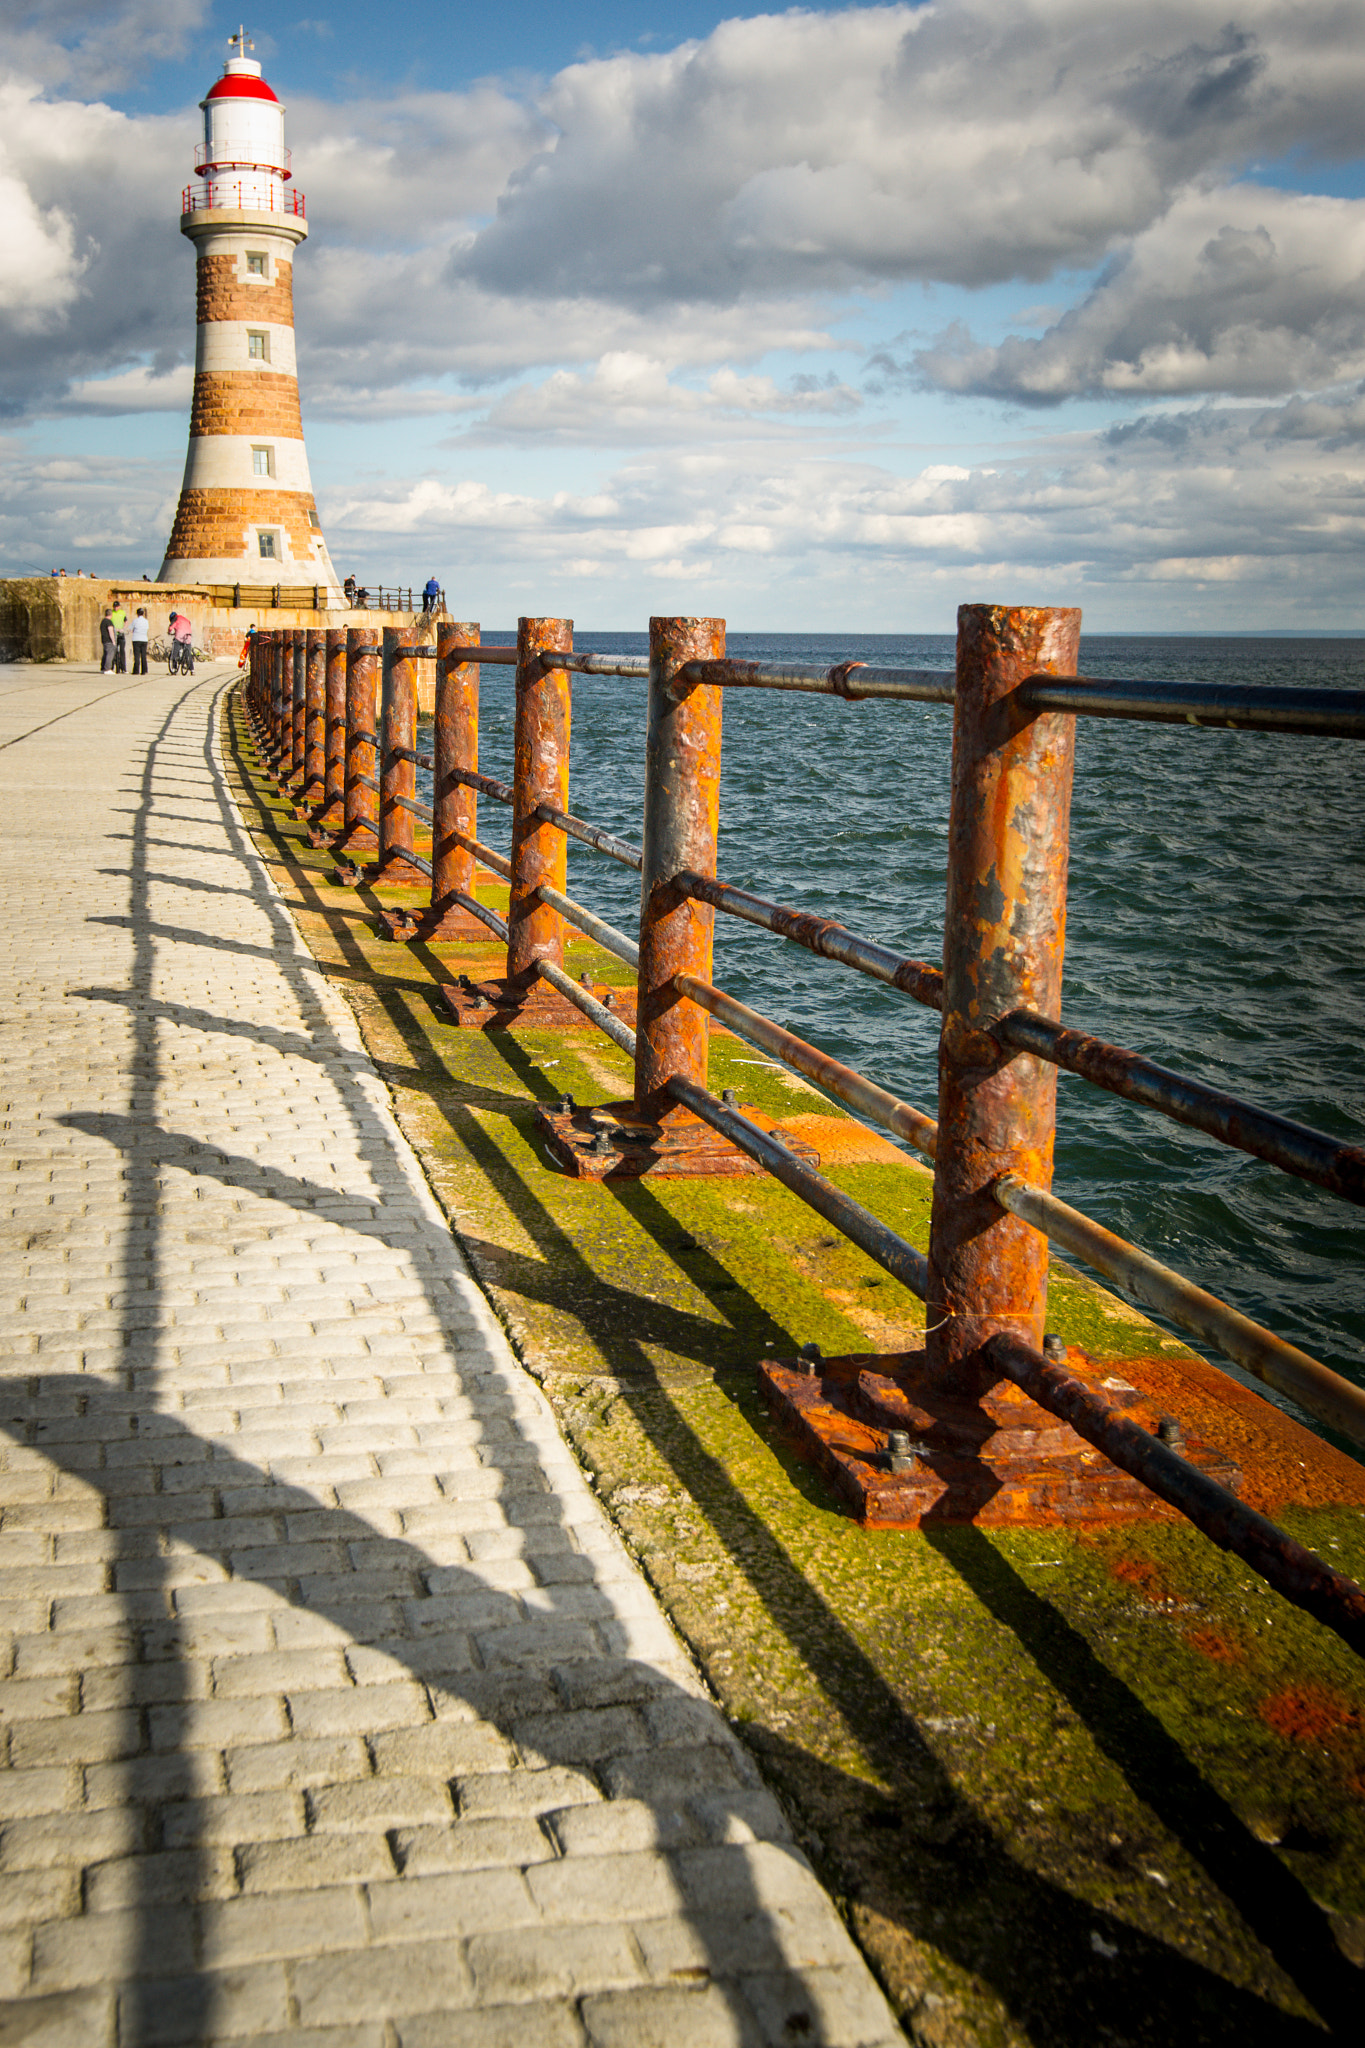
x,y
223,292
262,404
217,523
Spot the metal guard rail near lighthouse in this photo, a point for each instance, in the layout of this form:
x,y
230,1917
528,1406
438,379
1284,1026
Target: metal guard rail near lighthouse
x,y
247,515
966,1429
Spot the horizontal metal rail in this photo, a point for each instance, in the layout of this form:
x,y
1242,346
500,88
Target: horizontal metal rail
x,y
1293,1147
595,1012
362,739
407,803
504,657
582,664
859,1225
591,835
844,1082
496,861
1336,714
469,778
1290,1371
821,935
497,925
362,782
1275,1556
597,928
414,860
421,650
850,679
599,664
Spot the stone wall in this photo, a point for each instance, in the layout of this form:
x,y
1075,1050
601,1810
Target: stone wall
x,y
46,618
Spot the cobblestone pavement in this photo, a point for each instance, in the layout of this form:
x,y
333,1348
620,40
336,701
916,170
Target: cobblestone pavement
x,y
334,1711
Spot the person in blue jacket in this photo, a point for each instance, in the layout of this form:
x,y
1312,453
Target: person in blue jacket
x,y
431,595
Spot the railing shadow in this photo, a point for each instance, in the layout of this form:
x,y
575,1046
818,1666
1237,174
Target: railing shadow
x,y
1040,1957
536,1643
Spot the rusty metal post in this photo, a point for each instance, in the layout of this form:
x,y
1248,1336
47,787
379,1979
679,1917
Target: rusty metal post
x,y
299,641
397,770
682,809
314,718
540,852
279,700
286,767
1004,933
454,806
331,816
270,695
361,796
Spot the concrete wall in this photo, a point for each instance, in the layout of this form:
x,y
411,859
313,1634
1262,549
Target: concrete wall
x,y
46,618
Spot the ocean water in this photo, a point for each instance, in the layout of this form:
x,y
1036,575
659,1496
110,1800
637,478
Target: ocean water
x,y
1215,923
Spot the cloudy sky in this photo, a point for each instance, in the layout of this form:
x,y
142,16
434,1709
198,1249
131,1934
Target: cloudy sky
x,y
814,319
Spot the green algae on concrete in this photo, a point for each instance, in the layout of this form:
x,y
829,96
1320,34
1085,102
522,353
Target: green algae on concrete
x,y
1069,1786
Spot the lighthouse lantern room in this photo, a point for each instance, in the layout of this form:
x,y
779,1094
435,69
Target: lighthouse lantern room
x,y
246,511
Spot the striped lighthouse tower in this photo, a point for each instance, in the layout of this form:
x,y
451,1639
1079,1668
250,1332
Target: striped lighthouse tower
x,y
246,512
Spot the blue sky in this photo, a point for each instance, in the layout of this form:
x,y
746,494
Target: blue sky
x,y
815,319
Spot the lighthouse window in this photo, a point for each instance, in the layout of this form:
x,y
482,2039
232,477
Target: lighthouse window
x,y
263,462
255,263
267,541
258,347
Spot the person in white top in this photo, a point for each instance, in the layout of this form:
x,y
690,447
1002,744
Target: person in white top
x,y
138,637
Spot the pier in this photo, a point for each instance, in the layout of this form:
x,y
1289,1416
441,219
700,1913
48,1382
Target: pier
x,y
421,1630
336,1708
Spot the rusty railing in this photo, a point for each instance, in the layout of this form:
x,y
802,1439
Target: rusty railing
x,y
1016,697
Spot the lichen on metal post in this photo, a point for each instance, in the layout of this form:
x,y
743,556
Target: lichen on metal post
x,y
360,834
541,776
299,699
456,745
332,815
275,686
314,716
682,803
397,771
1004,937
286,767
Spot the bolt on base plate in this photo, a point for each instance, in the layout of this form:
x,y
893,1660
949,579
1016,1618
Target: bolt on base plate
x,y
613,1141
901,1452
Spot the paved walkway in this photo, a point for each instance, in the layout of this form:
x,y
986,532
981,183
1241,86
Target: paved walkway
x,y
335,1712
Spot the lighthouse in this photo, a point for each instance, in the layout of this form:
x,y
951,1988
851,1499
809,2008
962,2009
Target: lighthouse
x,y
246,513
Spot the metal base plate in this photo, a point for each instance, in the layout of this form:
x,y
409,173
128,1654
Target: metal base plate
x,y
998,1462
493,1005
614,1142
325,826
444,927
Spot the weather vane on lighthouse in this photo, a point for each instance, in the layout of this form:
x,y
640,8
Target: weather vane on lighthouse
x,y
241,42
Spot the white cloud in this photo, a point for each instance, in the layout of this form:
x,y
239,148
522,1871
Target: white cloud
x,y
630,397
1239,290
1143,506
97,48
971,141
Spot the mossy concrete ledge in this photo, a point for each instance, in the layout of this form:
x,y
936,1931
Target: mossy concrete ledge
x,y
1071,1785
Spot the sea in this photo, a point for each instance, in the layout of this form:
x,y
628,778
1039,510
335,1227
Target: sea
x,y
1216,913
